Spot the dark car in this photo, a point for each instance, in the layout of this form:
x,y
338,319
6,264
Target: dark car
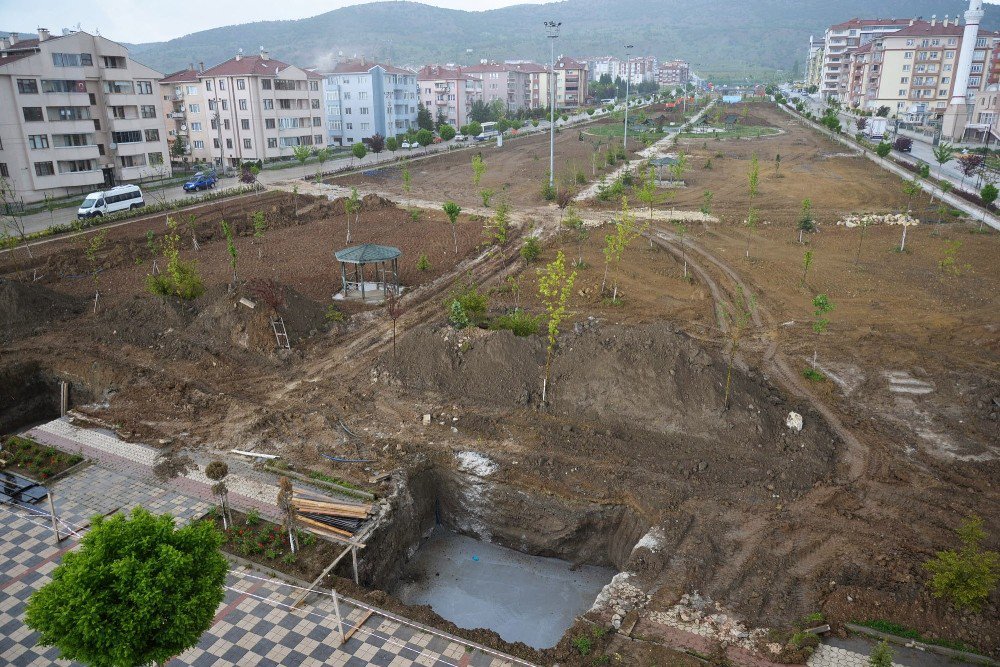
x,y
201,181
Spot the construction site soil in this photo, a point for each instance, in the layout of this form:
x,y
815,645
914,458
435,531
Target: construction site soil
x,y
634,461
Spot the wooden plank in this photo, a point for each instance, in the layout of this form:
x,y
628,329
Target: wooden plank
x,y
260,456
357,625
321,526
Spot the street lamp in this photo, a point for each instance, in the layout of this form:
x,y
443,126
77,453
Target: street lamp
x,y
628,78
552,31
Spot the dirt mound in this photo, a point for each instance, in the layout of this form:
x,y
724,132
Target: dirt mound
x,y
26,307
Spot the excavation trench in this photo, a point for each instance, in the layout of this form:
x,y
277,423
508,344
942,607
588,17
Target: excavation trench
x,y
488,554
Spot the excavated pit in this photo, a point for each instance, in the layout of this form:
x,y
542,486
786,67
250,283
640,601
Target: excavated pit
x,y
454,537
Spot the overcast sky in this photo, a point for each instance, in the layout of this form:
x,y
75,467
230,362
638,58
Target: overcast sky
x,y
153,21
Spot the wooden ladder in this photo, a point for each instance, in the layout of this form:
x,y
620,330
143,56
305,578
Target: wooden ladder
x,y
280,333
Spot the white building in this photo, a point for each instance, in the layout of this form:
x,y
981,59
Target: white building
x,y
843,37
78,115
366,98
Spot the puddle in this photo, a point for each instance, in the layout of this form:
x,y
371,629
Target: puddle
x,y
480,585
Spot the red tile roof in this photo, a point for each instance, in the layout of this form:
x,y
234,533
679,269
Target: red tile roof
x,y
925,29
861,23
13,58
181,76
431,72
361,66
251,66
569,63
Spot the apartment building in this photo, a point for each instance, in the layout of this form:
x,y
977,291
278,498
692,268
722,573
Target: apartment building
x,y
570,83
246,108
366,98
598,67
814,62
673,73
637,70
79,115
510,83
841,38
448,91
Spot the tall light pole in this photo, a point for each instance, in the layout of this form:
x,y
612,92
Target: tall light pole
x,y
628,77
552,30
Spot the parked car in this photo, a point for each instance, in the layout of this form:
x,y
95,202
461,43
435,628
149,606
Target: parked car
x,y
461,137
437,140
201,181
408,145
111,201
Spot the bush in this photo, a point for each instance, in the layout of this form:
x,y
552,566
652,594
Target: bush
x,y
423,264
883,149
583,644
518,321
447,132
186,283
531,249
881,655
548,191
472,305
457,316
813,374
968,576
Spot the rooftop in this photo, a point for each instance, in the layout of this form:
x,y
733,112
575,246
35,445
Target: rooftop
x,y
367,253
181,76
362,65
257,65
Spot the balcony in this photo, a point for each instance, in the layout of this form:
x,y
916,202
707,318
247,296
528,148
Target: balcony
x,y
177,115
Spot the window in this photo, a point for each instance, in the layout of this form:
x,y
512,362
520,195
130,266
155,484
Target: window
x,y
68,140
152,135
363,111
347,111
32,114
229,143
222,84
63,86
147,111
127,161
362,95
225,105
44,169
902,93
314,104
198,143
347,94
247,143
335,125
946,79
244,123
4,172
119,87
977,68
366,126
284,84
196,127
243,105
195,108
908,54
974,81
72,59
906,68
952,41
947,68
127,137
215,143
211,105
314,85
905,79
318,139
272,143
350,126
214,124
27,86
36,141
266,85
225,123
268,123
241,84
981,42
268,104
192,90
113,62
317,121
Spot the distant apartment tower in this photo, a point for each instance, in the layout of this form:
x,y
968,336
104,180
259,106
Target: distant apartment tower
x,y
598,67
814,62
637,70
447,91
674,73
78,115
507,82
843,37
246,108
365,98
570,83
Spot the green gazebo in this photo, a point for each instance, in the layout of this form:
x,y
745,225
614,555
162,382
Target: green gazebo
x,y
386,262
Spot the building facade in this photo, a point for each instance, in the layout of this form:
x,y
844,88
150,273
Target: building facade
x,y
673,73
247,108
79,115
364,98
841,38
508,83
814,62
570,83
449,92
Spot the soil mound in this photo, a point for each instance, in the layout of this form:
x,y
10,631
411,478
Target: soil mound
x,y
26,307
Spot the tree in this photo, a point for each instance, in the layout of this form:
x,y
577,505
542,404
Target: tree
x,y
499,229
822,307
377,143
478,168
626,231
359,151
227,232
407,182
680,166
883,149
423,264
863,223
574,223
989,195
446,132
322,155
138,591
969,164
181,278
473,128
94,248
737,322
806,222
10,209
531,249
555,287
881,655
487,195
424,119
965,577
178,149
452,210
287,507
425,138
647,195
807,260
943,153
861,123
217,472
753,188
391,144
352,206
259,223
777,165
394,309
301,153
706,202
681,230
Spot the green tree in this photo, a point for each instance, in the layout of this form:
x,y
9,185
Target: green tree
x,y
178,149
487,195
555,286
822,307
425,121
806,222
423,264
753,189
407,179
446,132
359,151
626,231
531,249
138,591
227,232
352,206
943,154
680,166
574,223
425,138
301,153
989,195
259,223
452,210
647,195
181,278
322,156
881,655
807,260
391,144
965,577
706,202
883,149
478,169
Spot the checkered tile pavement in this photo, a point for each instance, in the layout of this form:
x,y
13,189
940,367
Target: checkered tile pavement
x,y
254,625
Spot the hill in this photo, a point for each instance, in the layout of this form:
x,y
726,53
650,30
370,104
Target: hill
x,y
721,37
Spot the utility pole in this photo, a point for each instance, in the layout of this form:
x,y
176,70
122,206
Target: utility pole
x,y
628,78
218,128
552,28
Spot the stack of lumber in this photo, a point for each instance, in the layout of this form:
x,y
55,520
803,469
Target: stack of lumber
x,y
323,514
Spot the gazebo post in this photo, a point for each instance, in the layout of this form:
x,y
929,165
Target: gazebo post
x,y
395,273
343,277
362,282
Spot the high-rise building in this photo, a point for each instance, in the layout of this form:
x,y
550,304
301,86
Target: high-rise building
x,y
78,115
365,98
508,83
841,38
814,62
673,73
447,92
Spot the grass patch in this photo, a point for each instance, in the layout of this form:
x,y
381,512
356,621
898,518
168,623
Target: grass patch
x,y
813,374
618,130
31,459
736,132
890,628
314,474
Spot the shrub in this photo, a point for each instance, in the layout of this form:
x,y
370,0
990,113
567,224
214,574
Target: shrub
x,y
583,644
813,374
423,264
472,302
881,655
548,190
519,322
883,149
185,282
253,517
924,170
456,315
531,249
968,576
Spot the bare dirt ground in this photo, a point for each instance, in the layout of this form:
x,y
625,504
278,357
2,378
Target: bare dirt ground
x,y
901,440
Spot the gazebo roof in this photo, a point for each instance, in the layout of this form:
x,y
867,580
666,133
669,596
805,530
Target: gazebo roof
x,y
367,253
663,161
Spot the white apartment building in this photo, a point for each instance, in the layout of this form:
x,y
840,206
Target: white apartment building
x,y
637,70
814,62
841,38
78,115
246,108
510,83
365,98
449,92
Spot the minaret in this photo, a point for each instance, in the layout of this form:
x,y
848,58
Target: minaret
x,y
955,116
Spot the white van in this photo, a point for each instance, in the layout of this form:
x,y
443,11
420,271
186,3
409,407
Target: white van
x,y
121,198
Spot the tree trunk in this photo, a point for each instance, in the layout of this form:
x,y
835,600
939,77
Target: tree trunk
x,y
454,236
800,235
348,227
902,244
